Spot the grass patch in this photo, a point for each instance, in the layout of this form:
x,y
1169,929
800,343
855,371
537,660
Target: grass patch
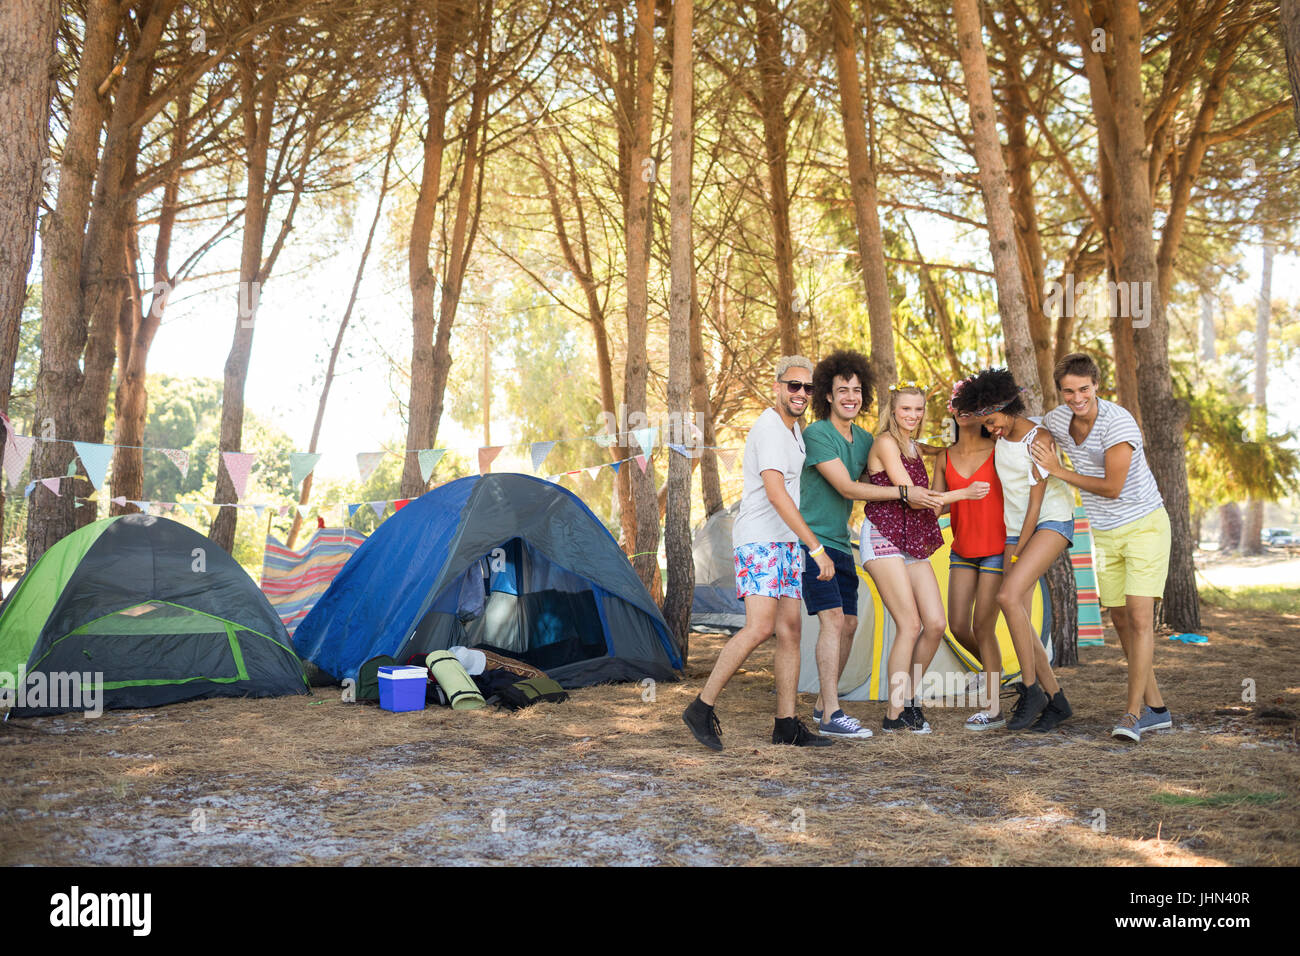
x,y
1215,799
1277,599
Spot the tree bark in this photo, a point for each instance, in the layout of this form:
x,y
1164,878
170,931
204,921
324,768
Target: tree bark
x,y
637,231
680,589
27,30
1229,527
63,321
862,187
776,130
1289,20
710,480
995,187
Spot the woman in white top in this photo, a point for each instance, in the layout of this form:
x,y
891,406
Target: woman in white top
x,y
1039,513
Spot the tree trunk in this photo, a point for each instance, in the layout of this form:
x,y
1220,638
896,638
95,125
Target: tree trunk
x,y
994,185
420,424
680,590
63,322
1289,20
772,90
1064,595
1229,527
645,556
862,186
1163,416
27,29
710,480
1254,525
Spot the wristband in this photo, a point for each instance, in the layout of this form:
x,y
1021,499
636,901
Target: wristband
x,y
820,549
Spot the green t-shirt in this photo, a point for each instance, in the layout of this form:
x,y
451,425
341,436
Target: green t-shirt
x,y
825,509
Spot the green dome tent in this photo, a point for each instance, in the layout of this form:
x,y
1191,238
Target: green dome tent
x,y
137,611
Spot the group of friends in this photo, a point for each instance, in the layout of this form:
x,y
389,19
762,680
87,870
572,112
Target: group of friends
x,y
1011,503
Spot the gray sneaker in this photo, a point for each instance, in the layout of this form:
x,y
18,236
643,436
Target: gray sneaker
x,y
1150,720
842,725
1127,728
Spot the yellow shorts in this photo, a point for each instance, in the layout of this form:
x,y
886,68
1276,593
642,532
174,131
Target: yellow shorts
x,y
1133,559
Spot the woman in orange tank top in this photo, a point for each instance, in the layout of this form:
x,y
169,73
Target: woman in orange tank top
x,y
975,562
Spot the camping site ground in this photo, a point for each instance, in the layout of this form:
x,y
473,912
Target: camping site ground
x,y
613,777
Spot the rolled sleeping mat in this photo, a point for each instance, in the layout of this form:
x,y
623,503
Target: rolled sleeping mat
x,y
451,676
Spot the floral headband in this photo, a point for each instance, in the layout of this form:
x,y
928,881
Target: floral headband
x,y
903,386
990,409
957,387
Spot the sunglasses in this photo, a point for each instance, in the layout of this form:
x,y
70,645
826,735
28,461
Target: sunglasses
x,y
797,387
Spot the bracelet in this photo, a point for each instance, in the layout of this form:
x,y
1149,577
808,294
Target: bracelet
x,y
820,549
1015,558
902,490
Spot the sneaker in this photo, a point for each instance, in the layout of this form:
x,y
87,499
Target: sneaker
x,y
897,723
915,718
703,722
1150,720
1128,728
1033,701
1057,710
790,730
985,721
817,715
906,721
842,725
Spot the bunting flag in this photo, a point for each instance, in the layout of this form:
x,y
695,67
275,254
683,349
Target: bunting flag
x,y
120,500
27,492
728,458
72,469
378,508
238,465
593,472
352,509
189,508
180,458
486,456
212,510
52,484
401,503
540,449
259,510
17,450
95,458
284,510
142,505
645,437
616,465
303,511
429,458
367,462
301,464
684,451
641,460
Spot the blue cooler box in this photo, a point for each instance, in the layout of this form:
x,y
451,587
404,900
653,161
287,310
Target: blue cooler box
x,y
402,688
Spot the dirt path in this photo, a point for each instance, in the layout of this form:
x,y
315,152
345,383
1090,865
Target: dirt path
x,y
613,777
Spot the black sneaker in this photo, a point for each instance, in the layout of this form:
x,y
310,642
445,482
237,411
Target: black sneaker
x,y
897,723
703,722
1032,702
790,730
915,718
1057,710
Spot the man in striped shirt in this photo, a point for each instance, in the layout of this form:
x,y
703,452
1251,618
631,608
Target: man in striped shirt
x,y
1129,523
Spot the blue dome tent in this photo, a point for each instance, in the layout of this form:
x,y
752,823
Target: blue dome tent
x,y
508,562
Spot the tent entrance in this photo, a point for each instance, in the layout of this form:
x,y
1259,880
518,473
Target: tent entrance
x,y
516,600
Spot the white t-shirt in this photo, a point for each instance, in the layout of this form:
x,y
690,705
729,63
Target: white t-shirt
x,y
770,445
1015,468
1114,424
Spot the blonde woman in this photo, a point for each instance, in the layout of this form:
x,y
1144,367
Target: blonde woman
x,y
898,536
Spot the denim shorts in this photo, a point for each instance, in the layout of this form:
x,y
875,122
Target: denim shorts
x,y
991,564
1064,528
840,591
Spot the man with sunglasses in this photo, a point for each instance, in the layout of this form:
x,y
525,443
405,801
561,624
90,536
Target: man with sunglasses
x,y
769,564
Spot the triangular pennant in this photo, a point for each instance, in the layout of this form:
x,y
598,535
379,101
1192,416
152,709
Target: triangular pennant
x,y
593,471
616,465
51,483
95,458
17,450
238,465
352,509
142,505
429,458
728,458
72,469
641,460
180,458
283,510
486,456
301,464
401,503
378,508
189,508
681,450
27,492
303,511
645,437
212,510
259,510
540,449
367,462
119,500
